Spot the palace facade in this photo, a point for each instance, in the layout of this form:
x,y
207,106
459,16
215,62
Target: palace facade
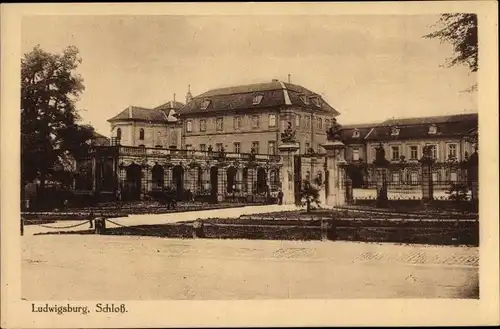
x,y
221,143
452,140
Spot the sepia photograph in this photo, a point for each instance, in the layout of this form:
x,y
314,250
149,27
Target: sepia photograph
x,y
248,157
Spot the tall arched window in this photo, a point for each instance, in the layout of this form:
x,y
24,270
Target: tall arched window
x,y
119,133
141,134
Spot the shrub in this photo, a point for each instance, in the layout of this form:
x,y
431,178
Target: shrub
x,y
309,195
458,192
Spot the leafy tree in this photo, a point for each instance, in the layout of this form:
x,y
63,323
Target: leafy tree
x,y
309,195
459,29
50,134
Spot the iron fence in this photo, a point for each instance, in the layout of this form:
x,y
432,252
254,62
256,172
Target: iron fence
x,y
405,181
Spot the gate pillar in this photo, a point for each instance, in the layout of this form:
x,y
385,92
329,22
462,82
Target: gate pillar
x,y
287,153
335,194
426,178
473,176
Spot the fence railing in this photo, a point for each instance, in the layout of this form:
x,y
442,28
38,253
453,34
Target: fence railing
x,y
405,181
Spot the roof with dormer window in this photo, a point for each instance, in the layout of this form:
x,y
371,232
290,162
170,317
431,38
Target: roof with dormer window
x,y
239,98
450,125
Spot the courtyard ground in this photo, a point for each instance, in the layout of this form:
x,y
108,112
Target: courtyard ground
x,y
90,267
155,219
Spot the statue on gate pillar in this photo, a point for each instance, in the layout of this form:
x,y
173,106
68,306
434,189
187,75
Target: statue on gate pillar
x,y
288,148
288,135
335,186
334,132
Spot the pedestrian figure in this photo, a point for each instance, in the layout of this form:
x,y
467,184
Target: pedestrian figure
x,y
91,220
280,197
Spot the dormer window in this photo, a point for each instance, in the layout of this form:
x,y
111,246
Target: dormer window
x,y
257,99
205,104
432,129
395,131
304,99
315,101
355,133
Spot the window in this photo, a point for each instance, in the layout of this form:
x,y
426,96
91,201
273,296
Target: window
x,y
307,146
433,149
141,134
220,124
272,120
355,154
236,147
119,133
355,133
308,121
189,126
432,129
395,131
319,123
315,101
395,177
435,177
218,147
205,104
237,123
413,152
395,152
203,125
255,147
452,151
297,120
453,176
257,99
203,147
414,177
255,121
304,99
327,123
271,147
189,147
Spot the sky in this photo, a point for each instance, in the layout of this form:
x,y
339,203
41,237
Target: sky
x,y
368,67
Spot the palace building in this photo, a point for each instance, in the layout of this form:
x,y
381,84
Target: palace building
x,y
451,139
221,143
242,118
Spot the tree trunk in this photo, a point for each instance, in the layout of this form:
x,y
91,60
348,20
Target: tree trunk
x,y
308,204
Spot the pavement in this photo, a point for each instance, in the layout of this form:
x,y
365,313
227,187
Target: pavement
x,y
97,267
155,219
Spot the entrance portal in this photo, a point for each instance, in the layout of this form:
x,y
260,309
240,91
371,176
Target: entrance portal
x,y
178,179
231,180
157,177
261,180
133,182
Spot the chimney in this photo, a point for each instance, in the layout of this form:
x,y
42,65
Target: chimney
x,y
174,97
289,77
